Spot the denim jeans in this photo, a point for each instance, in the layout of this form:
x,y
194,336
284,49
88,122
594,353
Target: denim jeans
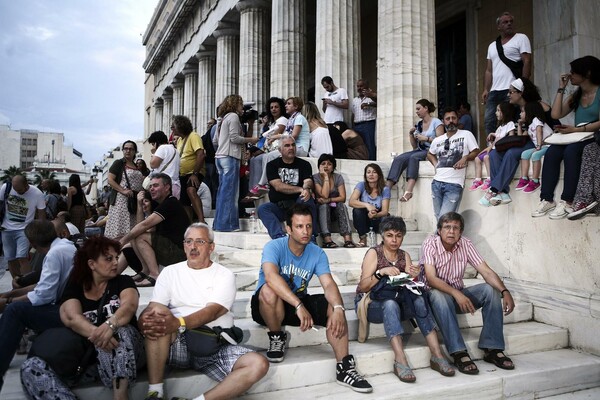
x,y
389,312
362,222
272,215
504,165
226,217
408,161
482,296
366,130
495,97
446,197
256,169
16,317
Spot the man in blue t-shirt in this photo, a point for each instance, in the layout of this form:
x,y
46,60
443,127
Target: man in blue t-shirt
x,y
282,298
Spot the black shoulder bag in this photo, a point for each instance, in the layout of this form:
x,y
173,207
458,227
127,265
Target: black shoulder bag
x,y
516,67
131,201
68,353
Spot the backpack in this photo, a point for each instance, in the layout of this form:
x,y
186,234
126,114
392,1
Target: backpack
x,y
7,188
61,205
208,148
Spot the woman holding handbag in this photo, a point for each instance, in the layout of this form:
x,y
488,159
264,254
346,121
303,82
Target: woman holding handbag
x,y
165,159
380,263
100,305
125,180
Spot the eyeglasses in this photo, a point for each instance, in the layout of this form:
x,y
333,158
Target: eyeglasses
x,y
197,242
447,144
451,227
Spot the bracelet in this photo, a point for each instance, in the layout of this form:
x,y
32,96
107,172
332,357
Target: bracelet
x,y
298,307
502,292
339,306
561,90
110,325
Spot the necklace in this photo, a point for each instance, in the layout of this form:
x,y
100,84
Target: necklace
x,y
388,260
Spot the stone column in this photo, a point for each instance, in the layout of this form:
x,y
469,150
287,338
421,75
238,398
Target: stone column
x,y
158,114
406,69
167,110
228,46
177,86
338,45
288,48
254,53
206,86
190,91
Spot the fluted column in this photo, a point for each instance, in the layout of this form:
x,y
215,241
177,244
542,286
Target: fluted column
x,y
177,86
254,51
405,70
228,53
338,45
190,91
167,111
158,114
288,48
206,86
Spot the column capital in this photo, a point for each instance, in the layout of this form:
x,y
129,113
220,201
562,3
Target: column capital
x,y
226,29
167,94
191,67
158,103
177,82
206,51
245,5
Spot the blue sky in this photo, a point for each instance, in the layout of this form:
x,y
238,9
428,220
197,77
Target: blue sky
x,y
74,66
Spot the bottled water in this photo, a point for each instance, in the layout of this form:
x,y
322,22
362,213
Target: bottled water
x,y
371,238
253,223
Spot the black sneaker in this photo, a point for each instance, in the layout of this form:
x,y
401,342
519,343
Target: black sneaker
x,y
277,341
347,375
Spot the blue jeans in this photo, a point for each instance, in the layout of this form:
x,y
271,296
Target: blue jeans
x,y
16,317
389,312
408,161
271,215
362,222
226,217
482,296
366,130
495,97
446,197
504,165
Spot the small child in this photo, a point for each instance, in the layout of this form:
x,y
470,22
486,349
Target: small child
x,y
504,113
533,115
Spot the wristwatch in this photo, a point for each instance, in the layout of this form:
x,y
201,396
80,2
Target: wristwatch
x,y
182,327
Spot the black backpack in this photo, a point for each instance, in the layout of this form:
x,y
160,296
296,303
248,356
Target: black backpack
x,y
209,149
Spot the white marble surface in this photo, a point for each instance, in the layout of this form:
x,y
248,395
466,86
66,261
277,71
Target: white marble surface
x,y
228,53
206,86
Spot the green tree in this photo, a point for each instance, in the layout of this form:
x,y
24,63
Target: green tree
x,y
11,172
43,174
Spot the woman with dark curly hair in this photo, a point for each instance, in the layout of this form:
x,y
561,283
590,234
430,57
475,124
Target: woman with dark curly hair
x,y
119,345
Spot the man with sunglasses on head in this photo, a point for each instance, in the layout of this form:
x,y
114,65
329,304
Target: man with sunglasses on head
x,y
449,154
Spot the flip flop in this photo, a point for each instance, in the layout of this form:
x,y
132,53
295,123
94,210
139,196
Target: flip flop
x,y
406,197
147,282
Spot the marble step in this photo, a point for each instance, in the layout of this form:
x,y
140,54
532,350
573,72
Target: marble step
x,y
557,374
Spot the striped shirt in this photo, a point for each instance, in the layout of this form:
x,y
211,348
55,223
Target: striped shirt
x,y
449,265
366,114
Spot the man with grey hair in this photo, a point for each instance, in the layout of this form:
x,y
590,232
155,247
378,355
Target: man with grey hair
x,y
364,111
508,58
193,299
164,246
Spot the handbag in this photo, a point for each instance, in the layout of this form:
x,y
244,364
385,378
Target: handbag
x,y
65,351
508,142
7,189
148,179
206,341
131,200
568,138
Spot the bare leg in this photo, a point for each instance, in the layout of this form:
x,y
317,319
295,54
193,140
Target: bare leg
x,y
389,183
486,161
142,245
524,168
478,168
271,308
248,369
196,203
537,169
121,392
339,345
434,344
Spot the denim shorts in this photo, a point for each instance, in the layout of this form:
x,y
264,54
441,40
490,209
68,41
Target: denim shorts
x,y
15,244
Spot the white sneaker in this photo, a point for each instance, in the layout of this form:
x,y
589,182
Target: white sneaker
x,y
560,211
543,208
505,198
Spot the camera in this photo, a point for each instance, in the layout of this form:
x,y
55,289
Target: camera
x,y
249,113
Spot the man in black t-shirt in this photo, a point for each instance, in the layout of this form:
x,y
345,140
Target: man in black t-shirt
x,y
164,246
290,180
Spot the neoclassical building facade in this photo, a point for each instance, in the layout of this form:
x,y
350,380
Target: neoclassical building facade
x,y
199,51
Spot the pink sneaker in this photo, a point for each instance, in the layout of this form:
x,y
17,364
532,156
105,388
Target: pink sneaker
x,y
476,184
523,182
531,187
486,185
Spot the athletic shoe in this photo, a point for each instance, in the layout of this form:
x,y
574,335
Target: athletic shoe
x,y
486,185
560,211
531,187
277,341
153,395
580,209
263,188
504,198
523,182
476,184
347,375
543,208
490,199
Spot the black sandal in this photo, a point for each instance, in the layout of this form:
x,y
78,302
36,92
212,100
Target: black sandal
x,y
349,244
329,245
462,365
498,358
148,281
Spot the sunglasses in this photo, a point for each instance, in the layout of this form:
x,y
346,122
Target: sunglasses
x,y
447,145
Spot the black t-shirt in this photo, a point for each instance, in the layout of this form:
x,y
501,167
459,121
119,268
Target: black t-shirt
x,y
175,220
293,174
112,302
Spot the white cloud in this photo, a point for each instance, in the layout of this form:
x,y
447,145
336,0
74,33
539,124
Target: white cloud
x,y
38,32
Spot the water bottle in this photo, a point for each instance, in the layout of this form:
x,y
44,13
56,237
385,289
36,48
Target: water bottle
x,y
253,223
371,238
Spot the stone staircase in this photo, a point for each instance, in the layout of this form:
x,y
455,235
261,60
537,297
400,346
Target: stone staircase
x,y
545,365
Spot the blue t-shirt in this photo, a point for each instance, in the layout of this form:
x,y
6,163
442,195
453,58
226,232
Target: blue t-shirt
x,y
295,271
375,201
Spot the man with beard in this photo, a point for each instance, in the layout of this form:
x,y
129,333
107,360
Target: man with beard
x,y
449,154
